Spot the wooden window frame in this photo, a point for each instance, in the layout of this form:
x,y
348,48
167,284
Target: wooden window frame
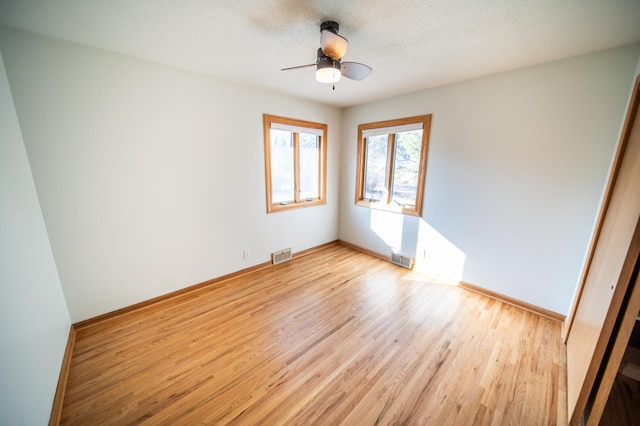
x,y
360,200
322,166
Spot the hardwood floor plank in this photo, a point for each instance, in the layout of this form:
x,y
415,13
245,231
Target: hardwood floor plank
x,y
335,337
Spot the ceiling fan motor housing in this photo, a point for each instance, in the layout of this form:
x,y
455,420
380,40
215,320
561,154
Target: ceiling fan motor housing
x,y
327,61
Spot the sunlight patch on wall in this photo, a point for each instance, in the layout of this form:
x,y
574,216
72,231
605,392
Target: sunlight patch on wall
x,y
437,256
388,226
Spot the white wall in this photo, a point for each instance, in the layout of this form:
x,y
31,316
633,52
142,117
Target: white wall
x,y
34,322
151,178
517,163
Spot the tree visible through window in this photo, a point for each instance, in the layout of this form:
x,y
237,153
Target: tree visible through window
x,y
392,160
295,163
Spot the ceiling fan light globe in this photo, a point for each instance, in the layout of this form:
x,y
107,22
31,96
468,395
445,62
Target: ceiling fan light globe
x,y
333,45
328,70
328,75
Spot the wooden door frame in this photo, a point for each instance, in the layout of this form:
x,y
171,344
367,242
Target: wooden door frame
x,y
608,330
618,342
591,365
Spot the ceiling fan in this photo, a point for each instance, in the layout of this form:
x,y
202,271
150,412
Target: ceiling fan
x,y
329,67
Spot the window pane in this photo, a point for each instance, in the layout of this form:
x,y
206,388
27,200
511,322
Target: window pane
x,y
309,166
281,166
376,167
406,166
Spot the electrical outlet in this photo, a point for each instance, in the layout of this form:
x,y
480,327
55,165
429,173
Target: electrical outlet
x,y
246,254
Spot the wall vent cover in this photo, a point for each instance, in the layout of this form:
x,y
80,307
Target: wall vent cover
x,y
281,256
402,260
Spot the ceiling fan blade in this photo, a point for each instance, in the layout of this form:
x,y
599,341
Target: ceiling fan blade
x,y
355,70
299,66
332,44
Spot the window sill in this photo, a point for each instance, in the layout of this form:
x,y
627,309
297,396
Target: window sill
x,y
411,211
274,208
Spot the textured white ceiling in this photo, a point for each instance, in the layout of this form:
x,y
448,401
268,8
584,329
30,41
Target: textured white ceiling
x,y
410,44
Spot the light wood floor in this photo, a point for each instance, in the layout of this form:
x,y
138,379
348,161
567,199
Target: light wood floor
x,y
334,337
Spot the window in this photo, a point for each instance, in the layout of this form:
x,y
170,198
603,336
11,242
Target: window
x,y
392,164
295,163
